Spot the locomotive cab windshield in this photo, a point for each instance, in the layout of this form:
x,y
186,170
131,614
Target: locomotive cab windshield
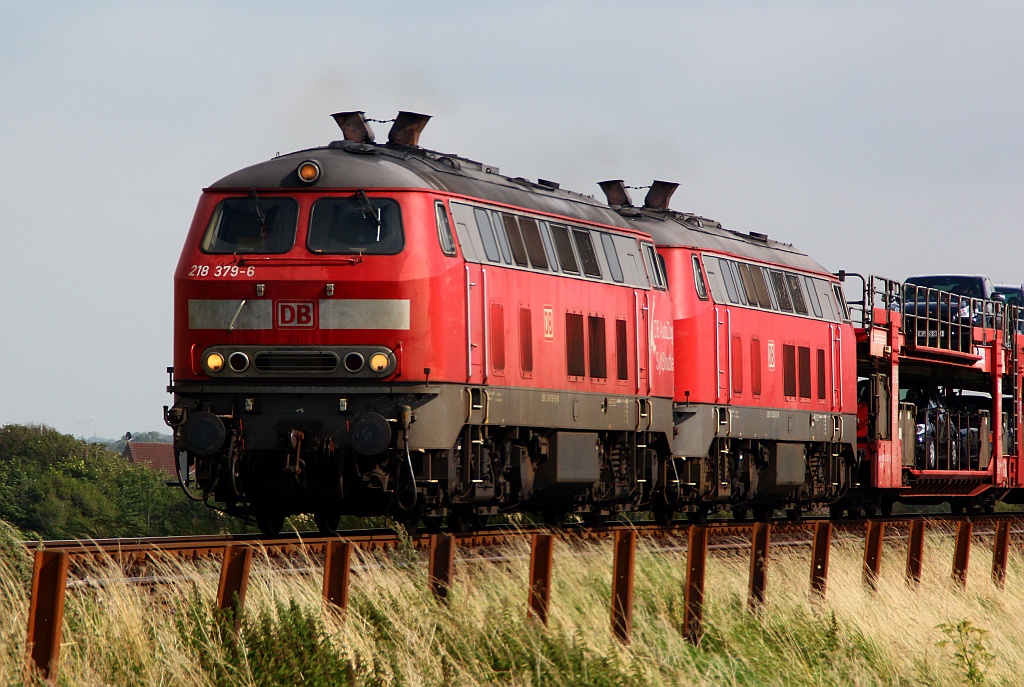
x,y
356,224
252,225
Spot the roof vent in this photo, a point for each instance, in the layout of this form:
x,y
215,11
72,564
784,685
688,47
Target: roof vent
x,y
407,128
354,126
759,237
660,195
548,184
616,193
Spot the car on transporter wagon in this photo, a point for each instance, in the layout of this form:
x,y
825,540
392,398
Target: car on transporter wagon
x,y
941,309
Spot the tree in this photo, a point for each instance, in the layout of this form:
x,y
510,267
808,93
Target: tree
x,y
55,486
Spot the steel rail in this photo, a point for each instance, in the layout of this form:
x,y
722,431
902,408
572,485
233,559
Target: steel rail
x,y
138,549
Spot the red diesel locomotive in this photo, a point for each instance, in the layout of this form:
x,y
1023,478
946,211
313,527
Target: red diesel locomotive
x,y
765,356
369,329
373,328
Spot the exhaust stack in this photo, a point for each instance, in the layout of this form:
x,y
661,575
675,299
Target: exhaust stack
x,y
354,126
660,195
616,193
407,128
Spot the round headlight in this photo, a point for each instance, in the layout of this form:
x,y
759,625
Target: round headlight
x,y
308,171
379,362
238,361
214,362
354,361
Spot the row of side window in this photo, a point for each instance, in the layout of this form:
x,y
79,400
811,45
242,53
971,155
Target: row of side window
x,y
586,349
796,370
768,288
592,347
519,241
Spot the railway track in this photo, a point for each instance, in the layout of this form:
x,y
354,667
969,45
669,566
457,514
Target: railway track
x,y
56,561
138,549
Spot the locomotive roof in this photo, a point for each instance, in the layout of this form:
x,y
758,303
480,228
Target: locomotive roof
x,y
348,164
671,228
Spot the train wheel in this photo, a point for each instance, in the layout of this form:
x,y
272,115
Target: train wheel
x,y
234,468
699,516
554,516
762,513
460,520
739,513
595,518
433,523
794,514
327,519
269,521
663,514
410,522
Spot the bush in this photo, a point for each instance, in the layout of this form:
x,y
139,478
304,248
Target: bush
x,y
54,486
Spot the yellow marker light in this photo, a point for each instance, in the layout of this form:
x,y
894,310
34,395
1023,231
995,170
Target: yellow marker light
x,y
214,362
309,172
379,362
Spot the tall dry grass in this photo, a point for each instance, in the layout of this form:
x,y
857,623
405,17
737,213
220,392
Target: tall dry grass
x,y
118,632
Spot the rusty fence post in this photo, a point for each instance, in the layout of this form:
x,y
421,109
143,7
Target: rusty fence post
x,y
622,584
873,541
759,540
46,611
1001,553
337,569
234,580
541,553
962,555
442,560
819,557
696,558
915,552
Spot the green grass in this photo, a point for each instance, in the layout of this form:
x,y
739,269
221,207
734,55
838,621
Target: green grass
x,y
396,633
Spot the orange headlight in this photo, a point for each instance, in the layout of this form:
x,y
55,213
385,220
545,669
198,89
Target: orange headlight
x,y
214,362
308,171
379,362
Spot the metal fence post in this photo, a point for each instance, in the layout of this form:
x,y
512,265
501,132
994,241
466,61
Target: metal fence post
x,y
819,557
1001,553
759,541
962,555
622,584
541,553
46,611
915,552
442,560
696,559
337,569
234,580
873,541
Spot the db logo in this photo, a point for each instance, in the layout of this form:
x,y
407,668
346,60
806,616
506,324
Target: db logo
x,y
549,323
295,313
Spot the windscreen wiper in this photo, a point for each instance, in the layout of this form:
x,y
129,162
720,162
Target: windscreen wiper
x,y
260,214
364,204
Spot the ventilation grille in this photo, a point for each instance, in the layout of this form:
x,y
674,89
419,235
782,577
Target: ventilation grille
x,y
295,361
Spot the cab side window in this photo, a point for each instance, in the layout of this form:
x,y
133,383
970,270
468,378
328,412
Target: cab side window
x,y
444,230
698,281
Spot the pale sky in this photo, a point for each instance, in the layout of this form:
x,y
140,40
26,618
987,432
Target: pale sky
x,y
879,137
